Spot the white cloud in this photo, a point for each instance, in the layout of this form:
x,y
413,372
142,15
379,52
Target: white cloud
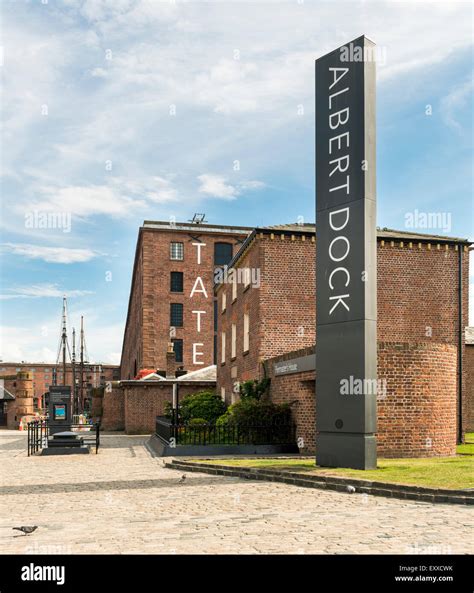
x,y
41,291
225,64
57,255
217,186
455,100
117,199
37,341
27,344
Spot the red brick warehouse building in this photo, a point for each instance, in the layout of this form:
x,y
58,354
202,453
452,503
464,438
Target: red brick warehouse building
x,y
172,294
268,328
44,374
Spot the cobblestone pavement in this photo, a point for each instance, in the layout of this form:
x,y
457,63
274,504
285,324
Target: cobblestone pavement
x,y
124,501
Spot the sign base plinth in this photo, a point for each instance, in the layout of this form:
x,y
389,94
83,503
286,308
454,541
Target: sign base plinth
x,y
337,449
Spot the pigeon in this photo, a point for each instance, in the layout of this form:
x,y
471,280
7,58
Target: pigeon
x,y
27,529
182,478
350,489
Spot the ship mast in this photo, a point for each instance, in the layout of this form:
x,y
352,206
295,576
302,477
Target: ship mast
x,y
81,372
64,341
73,368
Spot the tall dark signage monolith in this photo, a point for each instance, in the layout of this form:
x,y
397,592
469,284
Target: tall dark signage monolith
x,y
346,268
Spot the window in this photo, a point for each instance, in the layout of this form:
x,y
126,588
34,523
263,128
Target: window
x,y
176,282
246,277
224,300
177,251
234,286
223,347
246,332
222,253
233,349
176,315
178,349
223,394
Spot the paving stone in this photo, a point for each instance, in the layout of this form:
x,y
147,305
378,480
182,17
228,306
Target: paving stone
x,y
124,501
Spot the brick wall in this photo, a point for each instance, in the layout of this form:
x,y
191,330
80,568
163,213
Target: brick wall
x,y
142,405
469,408
113,409
42,375
242,367
297,389
144,401
418,332
417,413
281,310
288,293
417,416
147,331
97,402
134,405
417,292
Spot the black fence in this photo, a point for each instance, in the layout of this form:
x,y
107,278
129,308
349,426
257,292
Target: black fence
x,y
225,434
39,432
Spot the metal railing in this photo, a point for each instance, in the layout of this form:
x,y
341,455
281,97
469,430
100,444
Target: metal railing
x,y
226,434
39,432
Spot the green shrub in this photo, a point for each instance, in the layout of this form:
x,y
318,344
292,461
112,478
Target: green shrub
x,y
204,405
197,422
168,410
254,389
226,418
253,412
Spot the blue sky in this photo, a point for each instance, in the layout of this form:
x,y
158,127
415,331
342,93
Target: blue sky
x,y
117,111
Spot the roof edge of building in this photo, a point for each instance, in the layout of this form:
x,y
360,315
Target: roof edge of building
x,y
190,226
310,229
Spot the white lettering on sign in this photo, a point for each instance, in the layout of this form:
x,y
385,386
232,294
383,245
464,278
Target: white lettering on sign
x,y
196,353
199,246
339,246
196,289
286,368
199,313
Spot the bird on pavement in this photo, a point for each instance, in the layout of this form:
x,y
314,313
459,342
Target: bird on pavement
x,y
350,489
182,478
27,529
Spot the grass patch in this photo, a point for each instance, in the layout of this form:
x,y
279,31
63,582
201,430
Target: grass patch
x,y
468,447
454,473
